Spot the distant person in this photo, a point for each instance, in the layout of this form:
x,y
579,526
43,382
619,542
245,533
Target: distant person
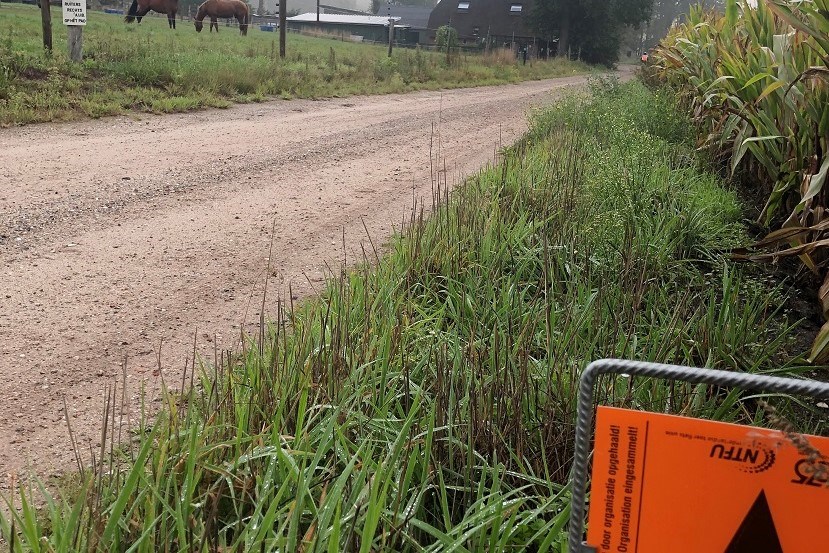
x,y
524,54
645,57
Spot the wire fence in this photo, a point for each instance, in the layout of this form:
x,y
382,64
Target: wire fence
x,y
269,23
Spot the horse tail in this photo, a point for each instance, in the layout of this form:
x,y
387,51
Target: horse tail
x,y
132,11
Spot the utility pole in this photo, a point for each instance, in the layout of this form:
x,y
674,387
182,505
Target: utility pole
x,y
318,11
282,12
391,28
46,20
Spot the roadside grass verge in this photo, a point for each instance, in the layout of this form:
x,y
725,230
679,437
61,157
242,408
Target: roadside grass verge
x,y
425,401
148,67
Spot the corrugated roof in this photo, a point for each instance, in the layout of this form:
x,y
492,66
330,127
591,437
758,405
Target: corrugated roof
x,y
415,16
344,19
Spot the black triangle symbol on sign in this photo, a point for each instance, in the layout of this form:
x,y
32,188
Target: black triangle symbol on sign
x,y
757,533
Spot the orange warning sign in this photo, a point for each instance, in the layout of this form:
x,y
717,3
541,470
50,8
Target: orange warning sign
x,y
664,483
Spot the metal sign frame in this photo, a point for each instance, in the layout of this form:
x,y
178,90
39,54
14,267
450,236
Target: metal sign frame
x,y
691,375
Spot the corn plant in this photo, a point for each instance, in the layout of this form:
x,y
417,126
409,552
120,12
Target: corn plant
x,y
757,83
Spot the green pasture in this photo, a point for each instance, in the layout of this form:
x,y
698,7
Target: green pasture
x,y
148,67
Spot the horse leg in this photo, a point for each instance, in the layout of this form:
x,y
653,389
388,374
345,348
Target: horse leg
x,y
141,13
131,12
171,19
214,22
243,19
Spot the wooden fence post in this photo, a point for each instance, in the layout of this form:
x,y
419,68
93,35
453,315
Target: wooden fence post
x,y
391,34
283,10
74,17
46,19
75,34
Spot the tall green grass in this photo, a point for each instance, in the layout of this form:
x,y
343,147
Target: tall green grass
x,y
147,67
425,401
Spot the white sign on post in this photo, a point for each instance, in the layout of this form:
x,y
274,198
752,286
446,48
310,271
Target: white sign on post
x,y
74,12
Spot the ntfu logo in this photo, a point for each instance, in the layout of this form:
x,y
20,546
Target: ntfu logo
x,y
750,459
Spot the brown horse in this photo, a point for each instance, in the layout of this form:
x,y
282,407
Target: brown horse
x,y
216,9
139,9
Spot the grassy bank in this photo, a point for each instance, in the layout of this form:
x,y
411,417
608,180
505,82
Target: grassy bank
x,y
150,68
426,401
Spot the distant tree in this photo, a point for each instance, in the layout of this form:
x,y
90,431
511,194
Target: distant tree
x,y
666,13
446,39
593,26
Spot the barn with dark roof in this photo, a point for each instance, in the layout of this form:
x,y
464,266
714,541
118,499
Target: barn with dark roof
x,y
503,22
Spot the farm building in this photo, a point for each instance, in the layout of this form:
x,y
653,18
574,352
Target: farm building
x,y
416,18
302,6
503,22
370,28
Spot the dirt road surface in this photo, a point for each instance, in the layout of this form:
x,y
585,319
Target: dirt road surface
x,y
119,233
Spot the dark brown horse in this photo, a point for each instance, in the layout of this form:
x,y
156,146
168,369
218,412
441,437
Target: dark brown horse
x,y
215,9
139,9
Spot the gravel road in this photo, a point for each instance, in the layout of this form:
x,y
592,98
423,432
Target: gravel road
x,y
120,234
